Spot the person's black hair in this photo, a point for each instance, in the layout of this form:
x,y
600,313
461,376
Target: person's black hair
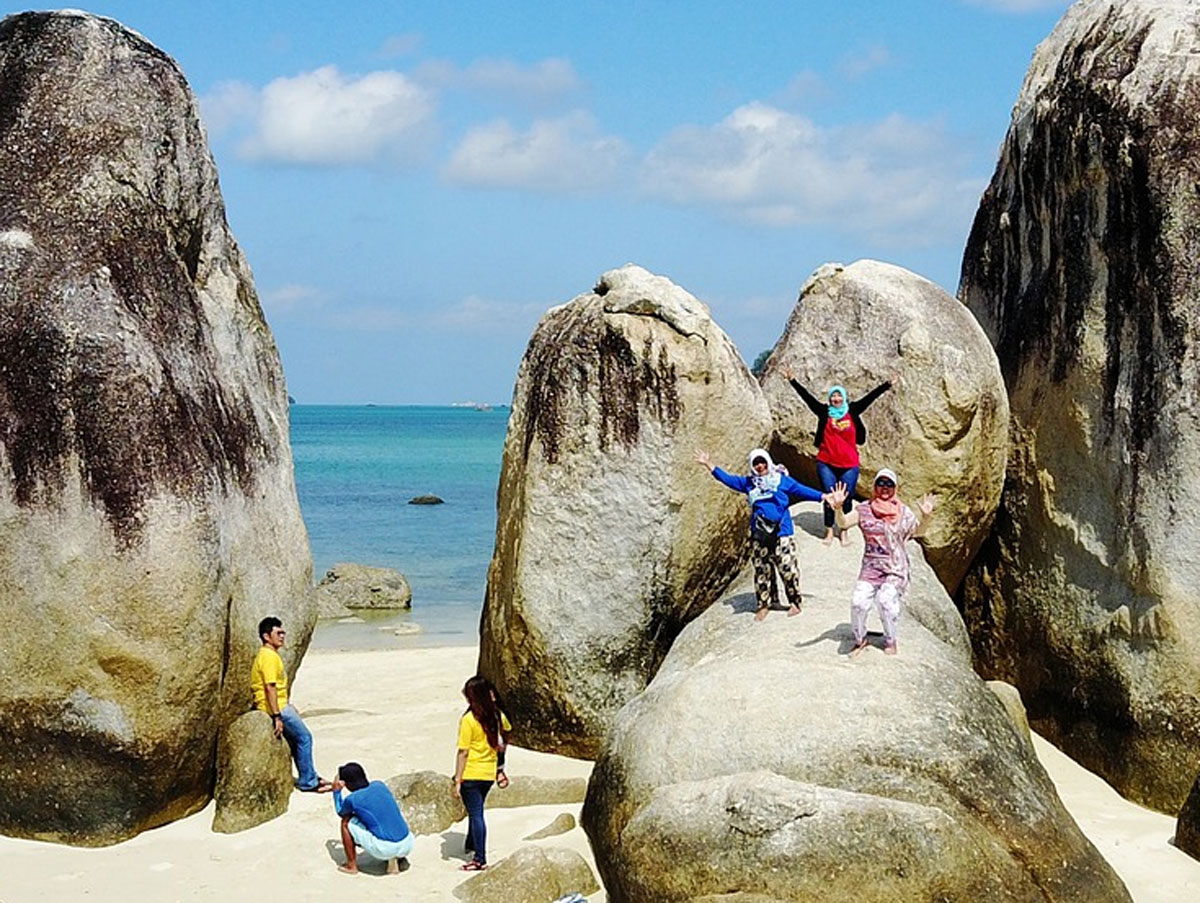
x,y
353,776
267,624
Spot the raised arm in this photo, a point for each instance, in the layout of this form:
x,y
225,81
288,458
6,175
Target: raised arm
x,y
819,408
836,498
733,481
924,510
863,403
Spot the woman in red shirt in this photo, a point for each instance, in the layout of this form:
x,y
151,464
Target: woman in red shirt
x,y
840,431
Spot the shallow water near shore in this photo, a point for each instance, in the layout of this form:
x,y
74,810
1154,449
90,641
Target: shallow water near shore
x,y
356,469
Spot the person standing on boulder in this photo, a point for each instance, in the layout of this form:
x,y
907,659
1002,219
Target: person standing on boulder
x,y
887,524
371,819
771,544
269,682
479,740
840,430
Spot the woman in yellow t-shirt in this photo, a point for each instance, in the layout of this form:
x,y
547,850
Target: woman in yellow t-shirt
x,y
480,738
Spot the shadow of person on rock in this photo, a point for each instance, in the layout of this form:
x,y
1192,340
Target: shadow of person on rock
x,y
742,603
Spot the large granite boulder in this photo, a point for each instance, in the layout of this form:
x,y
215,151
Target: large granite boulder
x,y
348,587
1083,267
610,538
148,515
943,426
762,762
254,774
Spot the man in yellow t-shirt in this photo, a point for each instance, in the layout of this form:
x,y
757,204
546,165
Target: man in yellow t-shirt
x,y
268,680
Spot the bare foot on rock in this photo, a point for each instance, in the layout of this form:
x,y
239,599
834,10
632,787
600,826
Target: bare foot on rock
x,y
760,614
890,649
345,869
858,648
793,611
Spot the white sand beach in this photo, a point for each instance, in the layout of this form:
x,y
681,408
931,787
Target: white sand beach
x,y
397,711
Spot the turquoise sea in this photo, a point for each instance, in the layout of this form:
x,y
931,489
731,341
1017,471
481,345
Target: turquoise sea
x,y
356,469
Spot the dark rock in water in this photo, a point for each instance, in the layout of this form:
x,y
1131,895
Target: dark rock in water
x,y
1083,267
609,537
148,515
348,587
1187,827
876,779
426,500
291,400
254,774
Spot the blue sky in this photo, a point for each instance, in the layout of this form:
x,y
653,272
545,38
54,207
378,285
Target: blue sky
x,y
415,183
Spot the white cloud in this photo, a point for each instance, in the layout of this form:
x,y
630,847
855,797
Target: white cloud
x,y
895,179
564,154
325,118
291,296
856,65
538,84
1020,6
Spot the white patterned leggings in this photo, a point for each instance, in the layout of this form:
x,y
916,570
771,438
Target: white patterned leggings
x,y
766,558
886,598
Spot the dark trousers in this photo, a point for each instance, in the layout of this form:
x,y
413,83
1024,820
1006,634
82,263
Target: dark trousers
x,y
473,795
828,475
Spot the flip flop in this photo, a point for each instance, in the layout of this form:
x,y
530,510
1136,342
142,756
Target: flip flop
x,y
501,780
472,866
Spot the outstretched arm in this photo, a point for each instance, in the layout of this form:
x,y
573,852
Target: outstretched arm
x,y
798,492
836,498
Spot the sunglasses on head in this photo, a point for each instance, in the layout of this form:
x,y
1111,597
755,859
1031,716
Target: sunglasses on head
x,y
885,483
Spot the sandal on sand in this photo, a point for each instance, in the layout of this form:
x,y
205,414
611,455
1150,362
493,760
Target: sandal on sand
x,y
473,866
501,780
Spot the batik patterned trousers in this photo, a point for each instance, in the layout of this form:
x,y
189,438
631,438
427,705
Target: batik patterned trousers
x,y
767,557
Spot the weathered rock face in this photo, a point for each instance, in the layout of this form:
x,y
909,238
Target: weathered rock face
x,y
531,873
348,587
610,538
1187,826
817,778
1084,268
148,516
254,774
943,426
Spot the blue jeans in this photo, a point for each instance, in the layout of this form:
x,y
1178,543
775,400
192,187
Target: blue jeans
x,y
299,738
473,795
828,475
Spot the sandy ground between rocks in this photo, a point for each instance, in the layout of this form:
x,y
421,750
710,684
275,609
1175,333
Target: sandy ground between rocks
x,y
397,711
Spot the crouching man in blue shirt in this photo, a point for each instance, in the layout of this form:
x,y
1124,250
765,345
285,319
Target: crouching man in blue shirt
x,y
371,819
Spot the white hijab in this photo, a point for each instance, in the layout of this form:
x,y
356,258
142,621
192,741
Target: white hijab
x,y
764,486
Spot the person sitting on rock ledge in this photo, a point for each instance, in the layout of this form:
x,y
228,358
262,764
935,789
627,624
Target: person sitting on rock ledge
x,y
771,544
268,680
887,524
371,819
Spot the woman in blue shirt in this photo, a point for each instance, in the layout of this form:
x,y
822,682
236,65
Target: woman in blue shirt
x,y
771,545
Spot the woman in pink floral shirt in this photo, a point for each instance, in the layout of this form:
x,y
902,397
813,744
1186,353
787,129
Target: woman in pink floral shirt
x,y
887,524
